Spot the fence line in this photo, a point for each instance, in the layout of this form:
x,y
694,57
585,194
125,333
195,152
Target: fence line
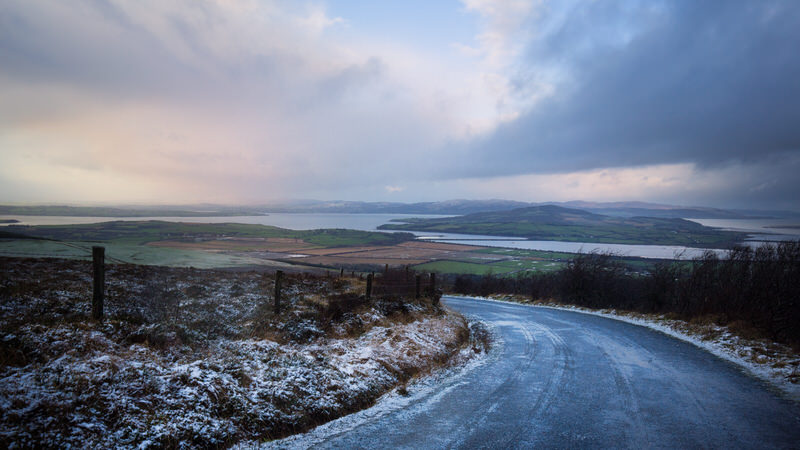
x,y
38,255
87,253
89,250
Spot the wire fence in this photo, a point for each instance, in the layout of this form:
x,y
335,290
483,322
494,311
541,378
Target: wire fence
x,y
84,252
394,283
404,282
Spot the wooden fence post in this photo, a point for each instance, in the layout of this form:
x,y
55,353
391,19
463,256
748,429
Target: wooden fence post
x,y
98,263
278,277
419,282
369,286
434,294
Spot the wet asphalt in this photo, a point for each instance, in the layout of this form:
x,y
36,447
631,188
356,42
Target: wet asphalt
x,y
561,379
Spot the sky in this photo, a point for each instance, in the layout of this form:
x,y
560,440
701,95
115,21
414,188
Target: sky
x,y
247,102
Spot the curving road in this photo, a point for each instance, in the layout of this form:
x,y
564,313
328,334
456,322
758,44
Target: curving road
x,y
563,379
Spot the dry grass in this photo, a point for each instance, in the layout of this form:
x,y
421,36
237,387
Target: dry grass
x,y
408,253
277,245
440,246
189,357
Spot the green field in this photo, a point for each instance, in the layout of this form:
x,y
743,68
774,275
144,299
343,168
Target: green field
x,y
527,253
154,230
507,267
460,267
121,252
528,265
126,241
521,261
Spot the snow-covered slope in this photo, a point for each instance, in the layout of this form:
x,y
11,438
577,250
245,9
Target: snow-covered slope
x,y
191,358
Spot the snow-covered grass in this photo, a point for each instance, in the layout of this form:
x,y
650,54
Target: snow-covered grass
x,y
420,389
196,358
775,363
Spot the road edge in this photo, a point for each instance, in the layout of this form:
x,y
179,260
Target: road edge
x,y
773,378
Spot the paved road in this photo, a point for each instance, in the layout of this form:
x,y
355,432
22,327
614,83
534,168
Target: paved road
x,y
565,380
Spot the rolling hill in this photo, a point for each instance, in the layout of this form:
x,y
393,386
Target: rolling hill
x,y
556,223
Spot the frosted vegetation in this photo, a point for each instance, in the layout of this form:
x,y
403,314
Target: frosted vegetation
x,y
756,291
191,357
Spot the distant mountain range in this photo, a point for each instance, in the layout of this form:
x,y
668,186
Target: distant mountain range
x,y
461,207
449,207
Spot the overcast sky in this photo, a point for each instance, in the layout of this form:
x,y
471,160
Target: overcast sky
x,y
153,101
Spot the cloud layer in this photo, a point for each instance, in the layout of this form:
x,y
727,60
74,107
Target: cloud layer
x,y
703,82
249,101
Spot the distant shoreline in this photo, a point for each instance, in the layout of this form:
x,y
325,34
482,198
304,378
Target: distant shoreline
x,y
97,211
790,227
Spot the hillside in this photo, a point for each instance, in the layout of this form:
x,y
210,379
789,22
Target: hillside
x,y
198,358
555,223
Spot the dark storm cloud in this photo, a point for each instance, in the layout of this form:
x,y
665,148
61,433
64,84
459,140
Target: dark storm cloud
x,y
704,82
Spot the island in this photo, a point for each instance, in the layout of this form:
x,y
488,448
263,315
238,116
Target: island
x,y
555,223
